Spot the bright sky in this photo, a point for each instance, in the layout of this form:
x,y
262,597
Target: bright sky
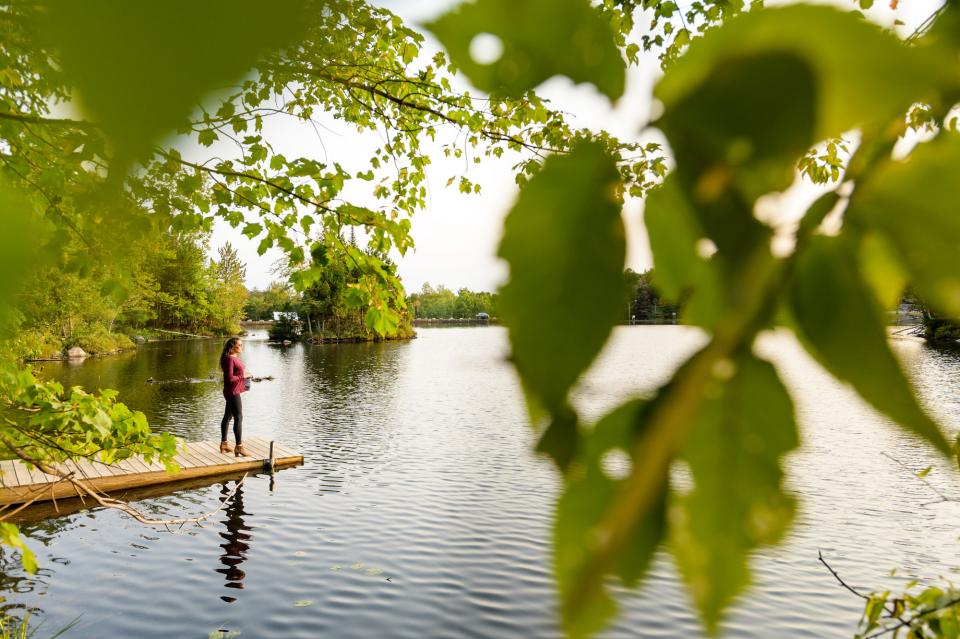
x,y
457,235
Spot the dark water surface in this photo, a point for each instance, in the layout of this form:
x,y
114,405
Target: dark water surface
x,y
421,512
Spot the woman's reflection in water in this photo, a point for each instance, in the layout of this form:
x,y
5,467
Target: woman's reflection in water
x,y
237,540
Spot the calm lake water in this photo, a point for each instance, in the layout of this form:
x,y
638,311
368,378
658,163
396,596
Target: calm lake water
x,y
421,512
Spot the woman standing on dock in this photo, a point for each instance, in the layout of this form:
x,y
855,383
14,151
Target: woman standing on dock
x,y
234,383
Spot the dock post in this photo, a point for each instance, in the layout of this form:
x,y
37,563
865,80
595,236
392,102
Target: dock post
x,y
270,462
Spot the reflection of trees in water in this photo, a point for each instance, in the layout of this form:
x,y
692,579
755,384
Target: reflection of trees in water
x,y
353,368
236,541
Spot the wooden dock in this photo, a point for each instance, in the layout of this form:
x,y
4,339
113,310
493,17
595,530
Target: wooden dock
x,y
19,484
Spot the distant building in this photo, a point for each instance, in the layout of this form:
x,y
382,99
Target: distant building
x,y
290,315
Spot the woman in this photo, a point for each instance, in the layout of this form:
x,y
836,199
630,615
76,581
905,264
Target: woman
x,y
234,383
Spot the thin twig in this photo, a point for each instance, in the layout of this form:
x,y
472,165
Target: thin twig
x,y
837,577
943,497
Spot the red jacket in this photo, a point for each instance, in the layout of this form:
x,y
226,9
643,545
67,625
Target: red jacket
x,y
233,375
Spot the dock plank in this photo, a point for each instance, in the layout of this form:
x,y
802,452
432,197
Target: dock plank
x,y
23,476
185,462
212,451
206,455
8,476
255,448
108,469
36,475
153,465
138,463
91,470
189,453
129,466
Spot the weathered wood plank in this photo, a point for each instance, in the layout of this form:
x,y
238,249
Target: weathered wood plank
x,y
23,476
154,465
207,456
115,469
137,462
8,476
185,462
129,466
212,449
90,470
36,475
254,447
196,460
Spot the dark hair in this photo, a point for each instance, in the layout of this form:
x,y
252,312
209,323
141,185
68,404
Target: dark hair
x,y
230,345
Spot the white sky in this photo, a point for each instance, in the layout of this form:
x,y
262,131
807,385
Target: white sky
x,y
457,235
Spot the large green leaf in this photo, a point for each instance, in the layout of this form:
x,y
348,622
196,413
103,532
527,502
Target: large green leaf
x,y
565,244
680,272
591,487
141,67
841,323
914,204
539,40
724,140
852,60
736,503
22,250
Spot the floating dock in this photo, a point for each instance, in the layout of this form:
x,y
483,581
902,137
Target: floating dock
x,y
20,484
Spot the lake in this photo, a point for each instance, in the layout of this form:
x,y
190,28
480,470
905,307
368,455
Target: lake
x,y
420,510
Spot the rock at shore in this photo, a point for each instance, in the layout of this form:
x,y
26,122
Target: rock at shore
x,y
76,353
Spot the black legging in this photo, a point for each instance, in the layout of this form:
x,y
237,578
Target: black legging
x,y
235,410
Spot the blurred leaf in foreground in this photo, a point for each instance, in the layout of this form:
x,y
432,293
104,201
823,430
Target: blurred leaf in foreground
x,y
579,43
914,205
140,68
737,502
841,323
565,243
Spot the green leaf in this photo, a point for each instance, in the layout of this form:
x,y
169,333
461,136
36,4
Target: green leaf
x,y
842,325
725,142
564,241
382,321
913,203
207,137
410,51
587,498
882,269
10,536
21,249
252,230
539,40
852,61
680,271
140,68
737,502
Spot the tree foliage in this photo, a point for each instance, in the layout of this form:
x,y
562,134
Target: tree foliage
x,y
645,301
277,297
442,303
